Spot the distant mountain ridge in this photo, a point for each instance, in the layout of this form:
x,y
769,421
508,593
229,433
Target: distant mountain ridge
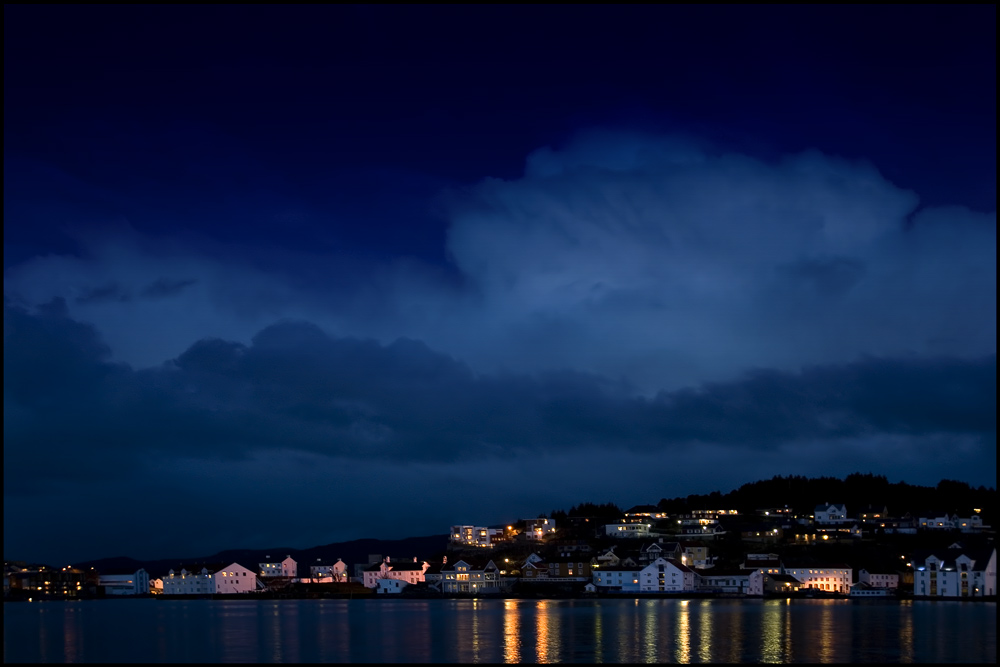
x,y
352,552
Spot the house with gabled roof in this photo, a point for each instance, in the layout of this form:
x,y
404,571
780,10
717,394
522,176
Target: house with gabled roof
x,y
650,551
666,575
569,567
820,574
411,572
878,578
535,569
191,579
234,578
830,513
287,568
325,570
955,572
472,576
617,578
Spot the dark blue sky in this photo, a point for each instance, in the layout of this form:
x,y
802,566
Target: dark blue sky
x,y
468,260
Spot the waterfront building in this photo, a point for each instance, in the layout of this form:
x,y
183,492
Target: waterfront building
x,y
189,580
327,571
412,572
833,578
955,572
667,576
42,581
280,568
863,590
879,579
618,578
471,576
234,578
124,582
725,581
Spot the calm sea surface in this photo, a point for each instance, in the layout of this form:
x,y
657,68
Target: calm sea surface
x,y
465,631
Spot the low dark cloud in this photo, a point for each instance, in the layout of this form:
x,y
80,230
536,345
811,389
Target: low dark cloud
x,y
296,388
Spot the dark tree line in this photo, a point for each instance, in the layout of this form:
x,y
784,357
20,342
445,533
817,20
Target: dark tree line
x,y
608,511
857,491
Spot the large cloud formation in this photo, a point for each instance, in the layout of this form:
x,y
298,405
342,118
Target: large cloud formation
x,y
631,303
640,258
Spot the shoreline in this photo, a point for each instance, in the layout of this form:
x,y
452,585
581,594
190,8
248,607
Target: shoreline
x,y
500,596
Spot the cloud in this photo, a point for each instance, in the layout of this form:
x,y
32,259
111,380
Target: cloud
x,y
297,388
671,264
660,262
631,303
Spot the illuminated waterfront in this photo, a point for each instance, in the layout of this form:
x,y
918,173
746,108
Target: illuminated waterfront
x,y
514,631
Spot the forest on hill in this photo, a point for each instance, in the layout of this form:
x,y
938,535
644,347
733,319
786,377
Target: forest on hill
x,y
801,494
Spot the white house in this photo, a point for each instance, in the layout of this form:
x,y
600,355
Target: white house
x,y
667,576
624,529
412,572
937,521
467,576
476,536
725,581
879,579
955,573
832,578
390,586
324,571
616,578
283,568
234,578
830,513
863,590
124,582
540,528
189,580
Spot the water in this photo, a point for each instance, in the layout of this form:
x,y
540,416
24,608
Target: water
x,y
468,631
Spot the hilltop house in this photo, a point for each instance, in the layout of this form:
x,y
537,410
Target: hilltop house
x,y
829,513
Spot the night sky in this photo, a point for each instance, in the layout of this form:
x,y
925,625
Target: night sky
x,y
286,276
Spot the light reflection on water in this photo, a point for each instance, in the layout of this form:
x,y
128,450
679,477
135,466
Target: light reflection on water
x,y
906,632
771,635
827,632
683,634
542,638
511,632
514,631
705,631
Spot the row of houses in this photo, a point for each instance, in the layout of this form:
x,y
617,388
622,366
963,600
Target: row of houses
x,y
953,572
827,521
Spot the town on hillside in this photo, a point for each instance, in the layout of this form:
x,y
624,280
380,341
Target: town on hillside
x,y
680,547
